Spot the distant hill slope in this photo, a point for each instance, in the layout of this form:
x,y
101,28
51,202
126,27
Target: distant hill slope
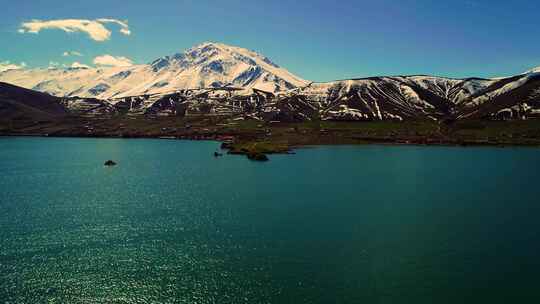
x,y
404,97
21,103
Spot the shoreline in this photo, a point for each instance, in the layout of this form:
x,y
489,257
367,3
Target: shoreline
x,y
359,142
234,146
256,139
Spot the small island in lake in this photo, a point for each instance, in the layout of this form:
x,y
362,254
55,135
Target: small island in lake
x,y
110,163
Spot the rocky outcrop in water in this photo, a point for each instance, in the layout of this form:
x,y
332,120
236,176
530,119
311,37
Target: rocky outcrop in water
x,y
109,163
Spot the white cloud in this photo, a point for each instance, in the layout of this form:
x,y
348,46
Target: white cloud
x,y
124,27
78,65
6,65
71,53
109,60
94,28
125,31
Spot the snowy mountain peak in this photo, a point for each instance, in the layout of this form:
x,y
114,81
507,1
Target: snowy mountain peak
x,y
206,65
219,52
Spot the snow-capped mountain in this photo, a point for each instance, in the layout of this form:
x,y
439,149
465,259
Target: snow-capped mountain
x,y
397,97
204,66
405,97
218,79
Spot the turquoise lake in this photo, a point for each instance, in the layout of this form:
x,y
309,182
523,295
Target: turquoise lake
x,y
336,224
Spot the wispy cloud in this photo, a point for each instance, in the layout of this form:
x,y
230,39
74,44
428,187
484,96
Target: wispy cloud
x,y
71,53
7,65
94,28
78,65
108,60
124,27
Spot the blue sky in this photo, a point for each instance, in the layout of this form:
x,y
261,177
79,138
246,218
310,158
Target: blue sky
x,y
317,40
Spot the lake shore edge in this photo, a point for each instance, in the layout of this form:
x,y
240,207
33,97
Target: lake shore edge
x,y
255,145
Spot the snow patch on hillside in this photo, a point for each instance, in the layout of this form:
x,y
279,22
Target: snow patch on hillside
x,y
504,89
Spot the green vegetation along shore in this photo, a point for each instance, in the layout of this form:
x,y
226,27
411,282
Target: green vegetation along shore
x,y
252,137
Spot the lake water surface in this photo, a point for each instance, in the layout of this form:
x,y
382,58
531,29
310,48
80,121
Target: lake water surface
x,y
340,224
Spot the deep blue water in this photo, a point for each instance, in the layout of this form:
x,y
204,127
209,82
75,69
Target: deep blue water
x,y
340,224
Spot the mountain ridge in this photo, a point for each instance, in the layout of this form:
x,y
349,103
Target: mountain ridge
x,y
219,79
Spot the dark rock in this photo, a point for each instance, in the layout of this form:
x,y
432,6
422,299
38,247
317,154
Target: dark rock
x,y
226,145
110,163
216,154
